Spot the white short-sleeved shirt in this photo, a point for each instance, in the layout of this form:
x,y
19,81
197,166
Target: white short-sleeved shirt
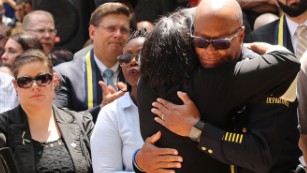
x,y
8,97
116,136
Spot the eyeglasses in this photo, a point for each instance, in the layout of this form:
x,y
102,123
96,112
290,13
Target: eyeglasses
x,y
218,44
27,81
127,58
43,31
112,29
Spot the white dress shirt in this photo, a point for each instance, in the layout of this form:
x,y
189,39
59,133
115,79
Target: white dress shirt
x,y
116,136
8,98
102,68
292,26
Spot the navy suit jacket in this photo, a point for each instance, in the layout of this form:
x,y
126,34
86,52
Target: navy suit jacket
x,y
72,92
267,33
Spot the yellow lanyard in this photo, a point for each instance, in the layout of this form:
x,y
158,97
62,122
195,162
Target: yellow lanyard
x,y
90,81
280,32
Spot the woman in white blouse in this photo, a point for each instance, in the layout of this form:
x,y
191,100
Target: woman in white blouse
x,y
117,131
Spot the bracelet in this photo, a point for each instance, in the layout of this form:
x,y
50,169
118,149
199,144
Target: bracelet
x,y
134,162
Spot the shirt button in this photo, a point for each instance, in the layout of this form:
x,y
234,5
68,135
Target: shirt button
x,y
203,148
210,151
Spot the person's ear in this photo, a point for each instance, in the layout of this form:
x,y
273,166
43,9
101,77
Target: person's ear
x,y
91,31
15,84
242,34
56,79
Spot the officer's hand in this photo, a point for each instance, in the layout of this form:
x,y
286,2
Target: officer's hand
x,y
109,94
177,118
157,160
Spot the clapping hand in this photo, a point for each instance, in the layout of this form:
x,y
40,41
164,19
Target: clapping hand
x,y
110,94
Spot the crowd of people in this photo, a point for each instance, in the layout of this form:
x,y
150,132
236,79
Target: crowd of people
x,y
211,86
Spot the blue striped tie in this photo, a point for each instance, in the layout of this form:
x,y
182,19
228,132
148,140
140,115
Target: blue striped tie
x,y
108,73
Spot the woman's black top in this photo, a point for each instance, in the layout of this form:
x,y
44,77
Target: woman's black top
x,y
52,157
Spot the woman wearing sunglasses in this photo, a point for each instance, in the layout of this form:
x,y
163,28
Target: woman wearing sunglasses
x,y
17,44
42,137
117,134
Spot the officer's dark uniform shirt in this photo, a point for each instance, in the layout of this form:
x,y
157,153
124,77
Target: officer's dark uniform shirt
x,y
217,92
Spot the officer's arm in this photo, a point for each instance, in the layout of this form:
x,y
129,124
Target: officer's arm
x,y
258,147
274,70
249,78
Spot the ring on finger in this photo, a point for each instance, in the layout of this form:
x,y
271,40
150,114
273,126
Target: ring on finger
x,y
162,117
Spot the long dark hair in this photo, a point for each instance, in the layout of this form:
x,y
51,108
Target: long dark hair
x,y
27,41
168,55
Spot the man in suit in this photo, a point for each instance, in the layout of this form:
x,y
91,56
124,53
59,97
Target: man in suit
x,y
283,31
110,26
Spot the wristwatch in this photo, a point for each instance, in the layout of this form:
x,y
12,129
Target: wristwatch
x,y
196,131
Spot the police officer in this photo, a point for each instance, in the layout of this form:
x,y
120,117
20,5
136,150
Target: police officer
x,y
265,145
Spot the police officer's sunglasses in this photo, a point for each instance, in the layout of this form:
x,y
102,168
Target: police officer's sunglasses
x,y
218,43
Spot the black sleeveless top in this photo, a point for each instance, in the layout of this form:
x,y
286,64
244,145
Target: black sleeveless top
x,y
52,157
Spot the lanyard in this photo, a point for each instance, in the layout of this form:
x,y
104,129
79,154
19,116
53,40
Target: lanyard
x,y
90,81
280,35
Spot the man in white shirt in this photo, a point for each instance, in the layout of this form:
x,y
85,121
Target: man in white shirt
x,y
8,99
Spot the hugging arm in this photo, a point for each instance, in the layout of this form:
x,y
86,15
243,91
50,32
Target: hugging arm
x,y
258,147
237,81
267,127
274,70
153,159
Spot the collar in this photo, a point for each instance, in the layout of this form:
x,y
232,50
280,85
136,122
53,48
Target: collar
x,y
102,67
126,101
292,26
62,115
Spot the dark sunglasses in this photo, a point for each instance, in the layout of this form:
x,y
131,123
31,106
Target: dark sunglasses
x,y
27,81
218,44
127,58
